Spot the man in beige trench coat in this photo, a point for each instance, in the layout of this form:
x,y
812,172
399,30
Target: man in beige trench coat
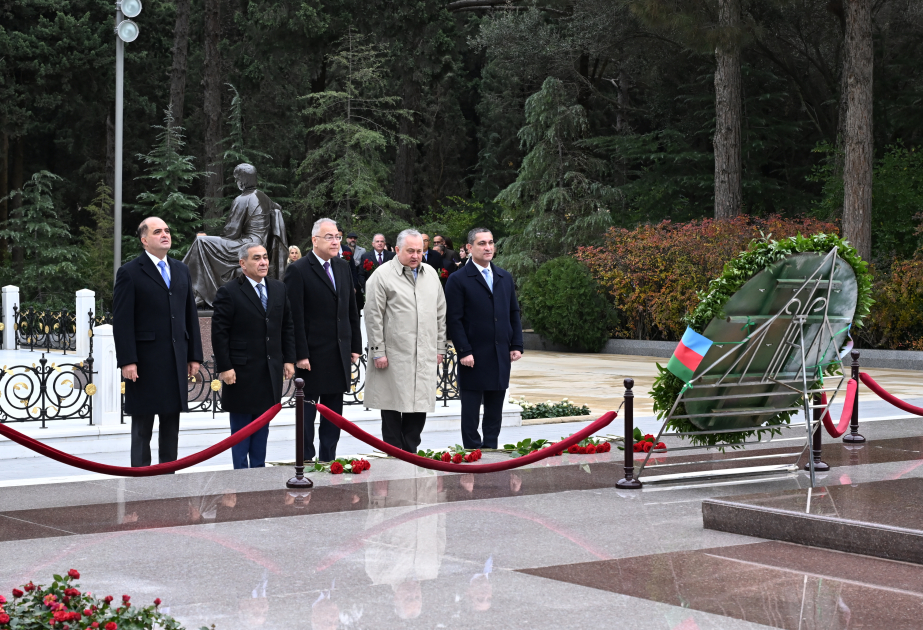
x,y
405,326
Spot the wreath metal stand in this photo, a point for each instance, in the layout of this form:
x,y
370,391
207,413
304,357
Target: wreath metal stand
x,y
807,345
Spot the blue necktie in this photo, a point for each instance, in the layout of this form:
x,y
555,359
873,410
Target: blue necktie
x,y
163,272
262,292
490,284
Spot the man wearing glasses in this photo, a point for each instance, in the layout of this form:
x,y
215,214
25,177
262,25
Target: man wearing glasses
x,y
327,335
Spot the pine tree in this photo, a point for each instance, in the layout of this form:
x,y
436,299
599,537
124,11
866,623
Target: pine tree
x,y
346,175
555,196
170,173
52,260
96,269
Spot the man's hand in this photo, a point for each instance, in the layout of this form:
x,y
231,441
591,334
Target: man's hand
x,y
439,359
381,363
467,361
130,372
355,357
304,364
229,377
515,355
288,370
193,368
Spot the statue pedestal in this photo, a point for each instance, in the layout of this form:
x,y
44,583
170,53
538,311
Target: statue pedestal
x,y
205,329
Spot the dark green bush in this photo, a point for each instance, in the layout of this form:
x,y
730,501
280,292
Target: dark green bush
x,y
565,304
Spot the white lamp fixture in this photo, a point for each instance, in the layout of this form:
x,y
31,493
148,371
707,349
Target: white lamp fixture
x,y
130,8
127,31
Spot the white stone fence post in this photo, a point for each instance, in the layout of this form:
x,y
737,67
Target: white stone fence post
x,y
10,299
86,303
107,403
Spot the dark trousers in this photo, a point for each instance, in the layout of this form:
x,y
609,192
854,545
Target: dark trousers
x,y
402,429
328,433
142,429
252,448
493,414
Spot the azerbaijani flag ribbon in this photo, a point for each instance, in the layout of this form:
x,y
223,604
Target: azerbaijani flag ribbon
x,y
688,355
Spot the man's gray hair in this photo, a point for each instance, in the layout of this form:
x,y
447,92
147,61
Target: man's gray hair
x,y
243,253
316,229
473,234
377,234
403,236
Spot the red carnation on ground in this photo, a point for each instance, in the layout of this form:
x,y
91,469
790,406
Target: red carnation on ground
x,y
446,457
16,593
647,446
356,466
112,626
591,449
4,618
573,448
366,464
661,445
336,468
157,602
468,458
457,458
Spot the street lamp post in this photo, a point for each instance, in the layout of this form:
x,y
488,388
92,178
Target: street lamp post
x,y
125,31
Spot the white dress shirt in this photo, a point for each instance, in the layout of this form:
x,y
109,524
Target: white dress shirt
x,y
253,284
324,262
481,270
157,262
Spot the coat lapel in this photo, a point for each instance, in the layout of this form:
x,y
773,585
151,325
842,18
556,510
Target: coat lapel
x,y
250,292
148,266
314,263
473,270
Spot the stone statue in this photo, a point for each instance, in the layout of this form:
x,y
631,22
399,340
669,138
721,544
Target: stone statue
x,y
254,218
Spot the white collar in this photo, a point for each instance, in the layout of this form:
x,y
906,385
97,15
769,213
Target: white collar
x,y
253,283
156,260
482,268
319,259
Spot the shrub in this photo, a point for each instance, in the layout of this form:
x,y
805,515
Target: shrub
x,y
654,273
896,321
566,305
549,409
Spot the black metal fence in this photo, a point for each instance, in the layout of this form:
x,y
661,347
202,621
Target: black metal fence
x,y
47,391
204,393
45,329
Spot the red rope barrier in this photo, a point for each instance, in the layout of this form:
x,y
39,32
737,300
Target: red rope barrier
x,y
424,462
881,393
143,471
839,429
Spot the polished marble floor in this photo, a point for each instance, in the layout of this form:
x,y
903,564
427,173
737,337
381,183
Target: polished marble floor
x,y
553,545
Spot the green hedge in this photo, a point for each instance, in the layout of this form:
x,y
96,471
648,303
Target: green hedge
x,y
565,304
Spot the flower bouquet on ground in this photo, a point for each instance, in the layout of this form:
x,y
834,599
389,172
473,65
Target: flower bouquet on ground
x,y
549,409
457,454
61,606
644,443
589,446
342,465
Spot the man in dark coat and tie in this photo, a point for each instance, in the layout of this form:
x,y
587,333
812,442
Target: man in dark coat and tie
x,y
430,256
157,342
483,323
254,341
375,258
327,335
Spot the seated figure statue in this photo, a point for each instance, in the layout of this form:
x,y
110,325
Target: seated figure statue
x,y
254,218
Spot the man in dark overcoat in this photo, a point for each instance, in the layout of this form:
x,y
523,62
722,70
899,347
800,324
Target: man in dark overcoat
x,y
484,325
254,342
378,255
157,342
328,339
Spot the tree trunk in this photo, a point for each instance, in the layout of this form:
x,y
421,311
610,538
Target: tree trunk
x,y
857,169
728,191
212,108
406,157
4,188
16,203
180,56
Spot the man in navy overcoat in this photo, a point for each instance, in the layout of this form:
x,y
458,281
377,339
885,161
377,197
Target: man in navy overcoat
x,y
157,342
482,320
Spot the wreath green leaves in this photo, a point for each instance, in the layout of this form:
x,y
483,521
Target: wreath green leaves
x,y
759,255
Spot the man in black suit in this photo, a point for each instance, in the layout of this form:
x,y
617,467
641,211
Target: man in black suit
x,y
327,336
254,341
483,323
157,342
376,257
430,256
